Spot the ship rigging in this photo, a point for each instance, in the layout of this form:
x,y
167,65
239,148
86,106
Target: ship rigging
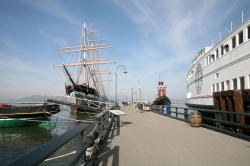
x,y
92,87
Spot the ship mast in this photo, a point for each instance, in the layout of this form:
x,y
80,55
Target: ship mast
x,y
84,54
88,60
92,74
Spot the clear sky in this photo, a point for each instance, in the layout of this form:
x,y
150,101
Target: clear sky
x,y
155,39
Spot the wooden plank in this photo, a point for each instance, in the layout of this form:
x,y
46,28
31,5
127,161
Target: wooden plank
x,y
238,106
216,100
246,100
223,107
216,94
230,107
230,93
246,103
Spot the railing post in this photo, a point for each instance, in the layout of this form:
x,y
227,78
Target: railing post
x,y
118,120
185,114
218,117
168,110
176,112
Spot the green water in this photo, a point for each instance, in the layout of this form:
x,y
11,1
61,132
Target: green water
x,y
16,141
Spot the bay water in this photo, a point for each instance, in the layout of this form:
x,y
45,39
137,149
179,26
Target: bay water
x,y
16,141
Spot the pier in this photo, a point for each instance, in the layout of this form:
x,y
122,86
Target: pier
x,y
142,138
151,139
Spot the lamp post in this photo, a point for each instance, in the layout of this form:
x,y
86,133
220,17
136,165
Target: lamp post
x,y
125,72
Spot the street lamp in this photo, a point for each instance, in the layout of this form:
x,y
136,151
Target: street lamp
x,y
125,72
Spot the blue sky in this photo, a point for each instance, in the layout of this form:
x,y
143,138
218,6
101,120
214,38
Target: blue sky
x,y
154,39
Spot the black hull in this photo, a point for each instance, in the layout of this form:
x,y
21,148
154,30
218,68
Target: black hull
x,y
164,100
87,110
199,106
81,88
29,111
87,103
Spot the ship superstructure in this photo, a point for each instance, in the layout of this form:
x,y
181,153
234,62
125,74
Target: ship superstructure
x,y
222,67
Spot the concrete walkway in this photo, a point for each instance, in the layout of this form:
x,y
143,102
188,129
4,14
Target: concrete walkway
x,y
150,139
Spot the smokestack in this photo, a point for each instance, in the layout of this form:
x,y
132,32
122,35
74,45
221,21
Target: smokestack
x,y
161,89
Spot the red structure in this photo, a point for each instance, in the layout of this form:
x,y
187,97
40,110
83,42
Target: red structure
x,y
161,89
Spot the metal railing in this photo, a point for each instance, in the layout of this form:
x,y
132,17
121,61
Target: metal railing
x,y
41,155
212,119
104,120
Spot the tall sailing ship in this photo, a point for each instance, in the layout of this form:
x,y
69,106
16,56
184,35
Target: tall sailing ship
x,y
221,69
89,95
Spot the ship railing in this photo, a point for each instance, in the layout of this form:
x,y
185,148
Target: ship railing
x,y
226,122
69,100
68,149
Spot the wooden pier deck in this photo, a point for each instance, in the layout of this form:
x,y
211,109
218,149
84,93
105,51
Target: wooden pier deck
x,y
152,139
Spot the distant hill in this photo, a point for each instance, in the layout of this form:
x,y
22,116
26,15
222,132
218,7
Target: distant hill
x,y
33,98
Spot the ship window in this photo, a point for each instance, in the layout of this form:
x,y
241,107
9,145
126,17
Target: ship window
x,y
248,31
235,84
234,42
217,87
217,53
240,37
222,86
222,49
228,84
212,57
242,83
226,47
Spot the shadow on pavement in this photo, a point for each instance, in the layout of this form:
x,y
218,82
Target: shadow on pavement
x,y
111,153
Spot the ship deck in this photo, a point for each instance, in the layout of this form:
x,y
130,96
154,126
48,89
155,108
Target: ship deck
x,y
152,139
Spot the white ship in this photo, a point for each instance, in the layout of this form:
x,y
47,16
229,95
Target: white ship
x,y
223,67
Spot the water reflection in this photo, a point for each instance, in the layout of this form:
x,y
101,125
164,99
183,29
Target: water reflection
x,y
26,136
16,141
